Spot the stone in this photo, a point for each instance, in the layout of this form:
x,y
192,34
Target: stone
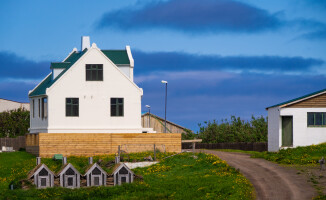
x,y
148,158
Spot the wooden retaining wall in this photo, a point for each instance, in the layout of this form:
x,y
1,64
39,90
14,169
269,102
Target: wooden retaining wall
x,y
90,144
16,143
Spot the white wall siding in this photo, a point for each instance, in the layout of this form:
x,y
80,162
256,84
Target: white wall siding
x,y
274,127
125,70
302,134
56,72
94,99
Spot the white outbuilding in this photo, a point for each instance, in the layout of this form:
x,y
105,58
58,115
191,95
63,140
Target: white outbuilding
x,y
297,122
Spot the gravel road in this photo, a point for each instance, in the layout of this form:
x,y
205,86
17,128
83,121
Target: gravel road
x,y
271,181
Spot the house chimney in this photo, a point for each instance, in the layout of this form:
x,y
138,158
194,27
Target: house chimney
x,y
85,43
90,160
64,160
38,160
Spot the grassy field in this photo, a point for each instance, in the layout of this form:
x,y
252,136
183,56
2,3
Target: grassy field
x,y
179,177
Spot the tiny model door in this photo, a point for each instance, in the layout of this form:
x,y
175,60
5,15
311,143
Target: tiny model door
x,y
287,131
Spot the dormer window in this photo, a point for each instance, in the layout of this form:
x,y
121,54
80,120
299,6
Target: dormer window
x,y
94,72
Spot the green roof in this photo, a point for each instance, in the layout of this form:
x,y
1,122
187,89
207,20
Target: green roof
x,y
118,57
60,65
296,99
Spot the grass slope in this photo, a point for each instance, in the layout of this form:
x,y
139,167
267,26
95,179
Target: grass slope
x,y
179,177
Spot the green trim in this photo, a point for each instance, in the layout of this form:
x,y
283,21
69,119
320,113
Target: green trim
x,y
60,65
118,57
296,99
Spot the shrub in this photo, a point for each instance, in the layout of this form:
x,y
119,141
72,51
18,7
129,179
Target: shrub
x,y
14,123
235,130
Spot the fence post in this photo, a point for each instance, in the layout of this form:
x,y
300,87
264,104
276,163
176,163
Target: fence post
x,y
193,147
154,152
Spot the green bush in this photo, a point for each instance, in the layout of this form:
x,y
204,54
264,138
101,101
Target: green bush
x,y
14,123
235,130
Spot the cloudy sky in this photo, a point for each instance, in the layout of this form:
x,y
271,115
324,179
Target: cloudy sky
x,y
220,57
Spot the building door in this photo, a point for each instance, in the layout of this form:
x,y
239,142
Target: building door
x,y
287,131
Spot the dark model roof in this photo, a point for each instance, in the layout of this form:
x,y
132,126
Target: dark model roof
x,y
32,172
299,98
118,57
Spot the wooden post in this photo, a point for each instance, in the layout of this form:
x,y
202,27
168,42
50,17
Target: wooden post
x,y
119,151
193,147
154,152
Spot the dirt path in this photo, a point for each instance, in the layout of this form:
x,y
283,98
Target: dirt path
x,y
270,180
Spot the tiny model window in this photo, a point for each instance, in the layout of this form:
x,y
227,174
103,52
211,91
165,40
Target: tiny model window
x,y
72,107
70,181
70,172
94,72
96,180
43,182
96,171
44,107
43,172
116,107
316,119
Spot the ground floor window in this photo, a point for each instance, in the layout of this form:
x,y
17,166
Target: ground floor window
x,y
316,118
72,107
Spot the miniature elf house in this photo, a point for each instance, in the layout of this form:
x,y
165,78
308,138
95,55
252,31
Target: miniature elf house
x,y
122,174
41,175
95,175
69,175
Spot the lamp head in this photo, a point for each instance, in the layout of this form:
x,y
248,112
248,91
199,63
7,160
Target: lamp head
x,y
164,81
147,106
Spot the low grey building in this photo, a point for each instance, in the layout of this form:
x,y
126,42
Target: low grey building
x,y
69,176
122,174
95,175
41,176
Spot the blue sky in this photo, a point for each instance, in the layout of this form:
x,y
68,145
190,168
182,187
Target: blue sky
x,y
220,57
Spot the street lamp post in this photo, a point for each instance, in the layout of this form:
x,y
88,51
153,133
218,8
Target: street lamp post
x,y
166,99
149,111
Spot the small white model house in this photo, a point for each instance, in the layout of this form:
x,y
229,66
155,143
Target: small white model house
x,y
90,91
95,176
122,174
298,122
41,176
69,176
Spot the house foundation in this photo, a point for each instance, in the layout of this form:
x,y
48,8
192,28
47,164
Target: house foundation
x,y
90,144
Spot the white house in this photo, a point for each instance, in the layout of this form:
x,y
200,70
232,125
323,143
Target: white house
x,y
90,91
298,122
6,105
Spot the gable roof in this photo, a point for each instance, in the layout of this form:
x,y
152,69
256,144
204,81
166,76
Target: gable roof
x,y
118,166
159,118
118,57
37,169
299,99
65,167
91,167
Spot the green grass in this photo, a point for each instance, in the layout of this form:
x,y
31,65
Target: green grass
x,y
309,155
178,177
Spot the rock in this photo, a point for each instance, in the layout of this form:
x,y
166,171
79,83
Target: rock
x,y
99,161
148,158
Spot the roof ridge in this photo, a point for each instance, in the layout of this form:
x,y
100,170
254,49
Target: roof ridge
x,y
298,98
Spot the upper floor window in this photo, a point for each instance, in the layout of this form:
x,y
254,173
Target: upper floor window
x,y
72,107
116,107
316,118
33,107
94,72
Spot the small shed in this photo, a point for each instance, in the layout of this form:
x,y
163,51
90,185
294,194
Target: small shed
x,y
69,176
95,175
41,176
122,174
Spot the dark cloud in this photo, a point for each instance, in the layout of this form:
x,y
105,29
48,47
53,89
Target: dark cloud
x,y
177,61
315,35
13,66
191,101
193,15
